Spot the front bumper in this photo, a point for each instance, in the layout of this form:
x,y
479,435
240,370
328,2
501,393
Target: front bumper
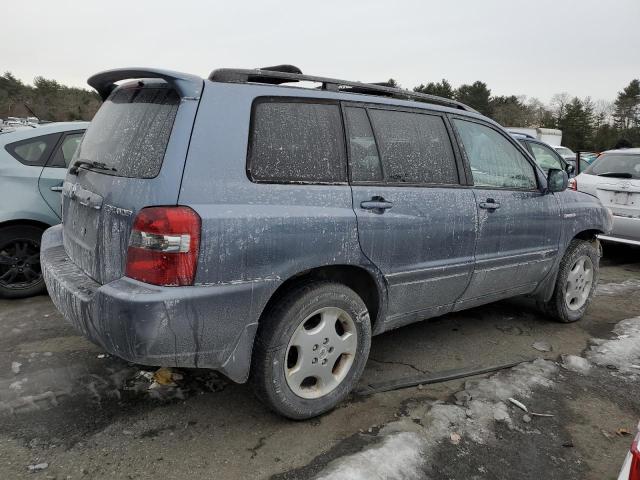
x,y
199,326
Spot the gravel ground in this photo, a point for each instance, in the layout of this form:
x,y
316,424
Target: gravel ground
x,y
84,414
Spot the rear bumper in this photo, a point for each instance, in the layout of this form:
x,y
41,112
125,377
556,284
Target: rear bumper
x,y
625,230
200,326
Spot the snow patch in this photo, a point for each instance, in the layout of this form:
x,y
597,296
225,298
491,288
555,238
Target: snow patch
x,y
399,456
623,352
576,364
407,444
617,288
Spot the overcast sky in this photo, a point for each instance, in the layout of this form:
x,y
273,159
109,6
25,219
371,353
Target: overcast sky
x,y
534,48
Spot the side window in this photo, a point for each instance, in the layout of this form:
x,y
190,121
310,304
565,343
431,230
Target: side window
x,y
363,153
296,142
415,147
545,157
495,162
34,151
65,151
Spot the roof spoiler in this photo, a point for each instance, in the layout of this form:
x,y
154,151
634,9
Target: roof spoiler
x,y
188,86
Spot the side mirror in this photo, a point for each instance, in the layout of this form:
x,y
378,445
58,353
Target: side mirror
x,y
557,180
570,169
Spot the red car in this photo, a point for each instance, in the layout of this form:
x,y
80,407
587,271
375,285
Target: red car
x,y
631,467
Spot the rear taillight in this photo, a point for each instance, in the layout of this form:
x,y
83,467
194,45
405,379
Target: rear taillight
x,y
634,472
163,246
573,184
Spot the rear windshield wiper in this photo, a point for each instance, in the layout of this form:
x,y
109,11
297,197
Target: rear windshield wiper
x,y
615,175
91,164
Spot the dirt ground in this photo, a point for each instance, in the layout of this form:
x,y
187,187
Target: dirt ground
x,y
84,414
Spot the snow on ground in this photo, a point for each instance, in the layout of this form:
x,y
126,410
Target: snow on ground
x,y
398,456
576,364
406,445
617,288
623,351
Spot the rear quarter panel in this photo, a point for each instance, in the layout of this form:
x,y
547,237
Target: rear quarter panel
x,y
253,232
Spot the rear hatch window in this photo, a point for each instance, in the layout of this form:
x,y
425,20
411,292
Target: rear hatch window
x,y
130,132
620,166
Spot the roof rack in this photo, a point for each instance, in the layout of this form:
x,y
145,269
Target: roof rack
x,y
280,74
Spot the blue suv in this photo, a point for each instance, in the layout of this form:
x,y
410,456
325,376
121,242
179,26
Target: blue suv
x,y
244,224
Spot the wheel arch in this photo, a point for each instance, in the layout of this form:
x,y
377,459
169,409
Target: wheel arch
x,y
588,234
365,282
28,222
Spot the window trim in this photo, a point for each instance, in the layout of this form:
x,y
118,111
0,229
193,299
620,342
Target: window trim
x,y
286,99
461,174
540,180
58,145
46,154
346,140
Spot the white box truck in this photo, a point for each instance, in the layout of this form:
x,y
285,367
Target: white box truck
x,y
551,136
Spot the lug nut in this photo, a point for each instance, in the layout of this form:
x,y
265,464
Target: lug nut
x,y
315,360
325,341
324,362
330,349
315,347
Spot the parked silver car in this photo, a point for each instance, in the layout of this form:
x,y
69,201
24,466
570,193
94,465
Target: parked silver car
x,y
33,164
615,179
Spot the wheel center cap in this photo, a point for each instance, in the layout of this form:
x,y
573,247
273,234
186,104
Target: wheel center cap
x,y
323,353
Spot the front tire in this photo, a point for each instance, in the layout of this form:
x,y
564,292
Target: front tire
x,y
311,350
576,282
20,273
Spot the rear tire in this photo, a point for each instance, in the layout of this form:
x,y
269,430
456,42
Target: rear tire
x,y
20,273
311,349
576,282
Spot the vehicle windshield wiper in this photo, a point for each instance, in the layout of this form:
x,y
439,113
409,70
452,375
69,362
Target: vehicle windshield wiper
x,y
615,175
91,164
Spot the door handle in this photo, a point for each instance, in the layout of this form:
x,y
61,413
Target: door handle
x,y
490,204
376,203
57,188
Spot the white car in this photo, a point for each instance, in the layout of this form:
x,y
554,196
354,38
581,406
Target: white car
x,y
566,153
615,179
631,466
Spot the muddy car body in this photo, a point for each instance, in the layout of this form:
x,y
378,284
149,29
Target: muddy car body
x,y
277,218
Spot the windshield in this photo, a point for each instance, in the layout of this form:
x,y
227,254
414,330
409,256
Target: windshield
x,y
130,132
616,164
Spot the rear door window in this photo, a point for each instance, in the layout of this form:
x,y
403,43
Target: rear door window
x,y
131,131
296,141
364,160
66,150
415,147
34,151
495,162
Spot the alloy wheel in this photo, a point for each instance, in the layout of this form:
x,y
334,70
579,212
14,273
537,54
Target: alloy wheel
x,y
321,352
579,282
20,264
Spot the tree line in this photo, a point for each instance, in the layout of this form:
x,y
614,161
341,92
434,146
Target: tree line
x,y
46,99
585,124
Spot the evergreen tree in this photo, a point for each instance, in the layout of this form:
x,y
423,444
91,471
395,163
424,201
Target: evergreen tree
x,y
476,95
441,89
577,124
